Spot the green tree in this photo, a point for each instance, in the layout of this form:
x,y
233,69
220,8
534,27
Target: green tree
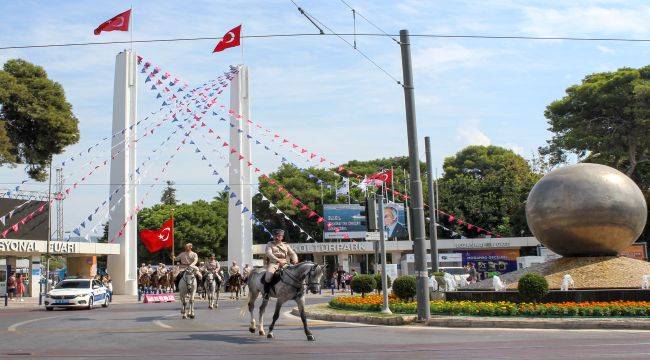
x,y
605,119
202,223
169,194
36,121
487,186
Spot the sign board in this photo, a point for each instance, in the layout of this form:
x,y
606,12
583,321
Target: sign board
x,y
346,220
492,261
158,298
636,251
36,270
445,257
395,221
391,271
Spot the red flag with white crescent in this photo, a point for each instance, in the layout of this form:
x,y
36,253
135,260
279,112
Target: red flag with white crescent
x,y
119,22
156,240
231,39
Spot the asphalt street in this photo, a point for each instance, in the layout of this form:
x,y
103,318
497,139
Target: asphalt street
x,y
148,331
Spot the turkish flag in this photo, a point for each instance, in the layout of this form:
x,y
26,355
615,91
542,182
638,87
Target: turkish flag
x,y
380,178
120,23
155,240
231,39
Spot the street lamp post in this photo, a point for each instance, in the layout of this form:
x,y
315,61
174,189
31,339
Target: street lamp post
x,y
49,231
433,209
382,249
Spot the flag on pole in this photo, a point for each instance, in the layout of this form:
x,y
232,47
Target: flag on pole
x,y
119,22
380,179
231,39
155,240
344,190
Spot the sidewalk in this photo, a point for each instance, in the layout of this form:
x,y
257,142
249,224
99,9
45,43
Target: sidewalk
x,y
324,312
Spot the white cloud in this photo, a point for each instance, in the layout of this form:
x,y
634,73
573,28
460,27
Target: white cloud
x,y
577,20
470,134
605,49
448,56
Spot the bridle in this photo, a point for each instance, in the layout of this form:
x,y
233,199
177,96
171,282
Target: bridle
x,y
308,281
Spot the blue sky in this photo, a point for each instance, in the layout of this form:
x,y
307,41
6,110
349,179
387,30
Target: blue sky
x,y
320,93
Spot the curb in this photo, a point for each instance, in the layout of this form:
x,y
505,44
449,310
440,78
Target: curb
x,y
363,319
530,323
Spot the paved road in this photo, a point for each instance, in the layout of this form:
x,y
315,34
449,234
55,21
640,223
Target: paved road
x,y
146,330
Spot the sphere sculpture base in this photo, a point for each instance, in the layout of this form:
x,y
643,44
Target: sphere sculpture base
x,y
603,272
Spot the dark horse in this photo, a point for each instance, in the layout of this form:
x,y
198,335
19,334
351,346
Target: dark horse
x,y
235,283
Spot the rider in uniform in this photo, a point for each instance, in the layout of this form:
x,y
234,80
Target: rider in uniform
x,y
142,270
277,254
213,266
234,269
161,269
187,259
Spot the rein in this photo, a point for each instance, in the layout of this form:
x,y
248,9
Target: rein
x,y
298,281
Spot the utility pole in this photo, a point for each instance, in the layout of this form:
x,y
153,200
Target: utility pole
x,y
382,249
58,196
433,208
49,231
417,208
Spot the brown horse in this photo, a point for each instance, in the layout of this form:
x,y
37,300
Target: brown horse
x,y
144,281
235,283
161,282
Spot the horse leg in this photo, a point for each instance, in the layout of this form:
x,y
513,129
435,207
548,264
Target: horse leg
x,y
301,307
276,315
192,294
261,317
251,310
183,307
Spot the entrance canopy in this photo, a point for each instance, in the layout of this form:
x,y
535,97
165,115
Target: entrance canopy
x,y
24,248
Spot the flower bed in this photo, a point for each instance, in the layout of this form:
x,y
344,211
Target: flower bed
x,y
503,308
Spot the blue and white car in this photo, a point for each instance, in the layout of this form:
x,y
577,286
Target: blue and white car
x,y
77,293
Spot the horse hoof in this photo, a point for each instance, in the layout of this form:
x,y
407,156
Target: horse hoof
x,y
269,336
262,333
183,317
311,338
252,330
192,316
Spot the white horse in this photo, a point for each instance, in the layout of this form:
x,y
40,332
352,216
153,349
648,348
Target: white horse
x,y
498,284
645,282
450,282
187,288
567,282
290,287
212,285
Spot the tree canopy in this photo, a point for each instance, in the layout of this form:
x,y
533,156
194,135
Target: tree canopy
x,y
168,196
202,223
36,121
487,186
605,119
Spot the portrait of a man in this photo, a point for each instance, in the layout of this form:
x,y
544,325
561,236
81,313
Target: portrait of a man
x,y
394,228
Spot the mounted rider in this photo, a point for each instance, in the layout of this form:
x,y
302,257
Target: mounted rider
x,y
143,270
234,269
246,272
161,269
277,255
213,266
187,259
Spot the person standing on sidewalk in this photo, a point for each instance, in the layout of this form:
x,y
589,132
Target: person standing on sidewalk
x,y
11,286
20,287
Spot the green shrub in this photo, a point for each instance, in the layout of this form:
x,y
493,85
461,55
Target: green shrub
x,y
363,284
378,281
404,287
532,288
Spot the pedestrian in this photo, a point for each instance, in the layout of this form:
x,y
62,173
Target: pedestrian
x,y
11,286
109,287
339,278
473,274
20,287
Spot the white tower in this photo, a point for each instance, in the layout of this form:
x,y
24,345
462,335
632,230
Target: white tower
x,y
240,226
123,267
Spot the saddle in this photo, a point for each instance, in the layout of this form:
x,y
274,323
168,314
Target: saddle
x,y
271,284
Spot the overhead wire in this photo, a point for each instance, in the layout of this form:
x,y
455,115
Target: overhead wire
x,y
398,82
356,12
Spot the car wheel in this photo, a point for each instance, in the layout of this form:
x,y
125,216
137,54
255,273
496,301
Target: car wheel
x,y
49,308
90,302
106,302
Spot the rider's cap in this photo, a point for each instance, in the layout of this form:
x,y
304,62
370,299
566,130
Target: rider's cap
x,y
278,232
188,244
212,255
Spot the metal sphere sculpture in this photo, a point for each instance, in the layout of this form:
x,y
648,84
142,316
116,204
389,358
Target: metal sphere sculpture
x,y
586,210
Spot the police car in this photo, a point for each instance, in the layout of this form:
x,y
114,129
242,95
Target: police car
x,y
79,293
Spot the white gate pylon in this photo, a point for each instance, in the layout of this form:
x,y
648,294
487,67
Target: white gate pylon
x,y
123,267
240,225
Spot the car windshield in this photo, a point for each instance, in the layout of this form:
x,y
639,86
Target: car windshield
x,y
456,271
75,284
